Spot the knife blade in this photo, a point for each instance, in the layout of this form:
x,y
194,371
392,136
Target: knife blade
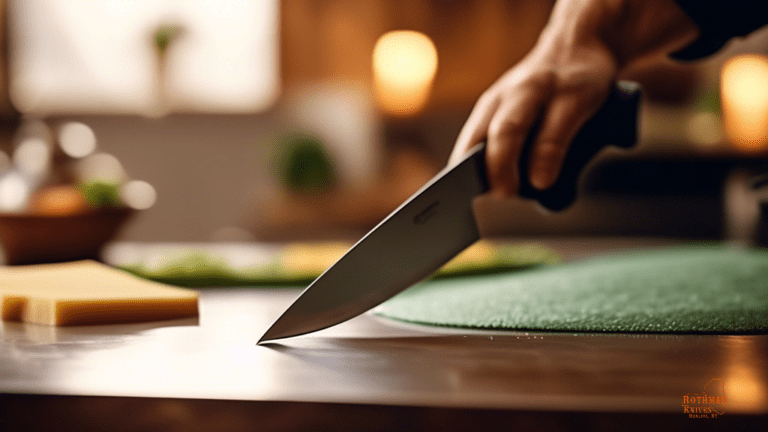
x,y
437,223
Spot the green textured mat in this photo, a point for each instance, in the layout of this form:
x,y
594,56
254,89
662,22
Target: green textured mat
x,y
678,290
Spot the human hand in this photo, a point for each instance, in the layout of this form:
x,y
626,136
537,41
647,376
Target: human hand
x,y
564,80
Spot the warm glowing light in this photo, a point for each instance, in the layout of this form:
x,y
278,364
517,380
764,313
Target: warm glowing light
x,y
57,200
14,193
744,91
138,194
101,167
404,67
745,379
32,157
77,139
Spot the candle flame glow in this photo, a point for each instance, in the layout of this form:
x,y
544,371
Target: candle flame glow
x,y
404,67
744,91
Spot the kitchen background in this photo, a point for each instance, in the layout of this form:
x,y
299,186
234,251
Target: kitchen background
x,y
245,120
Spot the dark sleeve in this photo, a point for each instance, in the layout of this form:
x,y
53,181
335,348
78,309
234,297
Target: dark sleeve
x,y
719,21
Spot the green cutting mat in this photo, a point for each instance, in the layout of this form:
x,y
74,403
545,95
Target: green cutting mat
x,y
696,289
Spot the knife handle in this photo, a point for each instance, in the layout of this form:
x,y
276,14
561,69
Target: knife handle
x,y
614,124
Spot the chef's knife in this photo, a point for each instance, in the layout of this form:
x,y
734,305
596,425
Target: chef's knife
x,y
438,222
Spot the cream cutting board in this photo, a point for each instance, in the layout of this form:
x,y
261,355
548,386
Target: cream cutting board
x,y
87,292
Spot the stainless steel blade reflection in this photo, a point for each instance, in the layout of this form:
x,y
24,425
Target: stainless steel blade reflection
x,y
424,233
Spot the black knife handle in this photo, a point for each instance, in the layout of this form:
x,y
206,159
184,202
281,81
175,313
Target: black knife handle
x,y
614,124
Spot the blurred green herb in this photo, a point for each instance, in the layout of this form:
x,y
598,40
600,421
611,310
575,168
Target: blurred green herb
x,y
708,99
303,164
165,34
201,269
100,194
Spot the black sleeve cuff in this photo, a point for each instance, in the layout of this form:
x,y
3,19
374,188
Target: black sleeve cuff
x,y
719,21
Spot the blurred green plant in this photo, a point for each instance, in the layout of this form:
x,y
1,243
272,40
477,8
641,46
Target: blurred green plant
x,y
204,269
165,34
303,164
101,194
708,99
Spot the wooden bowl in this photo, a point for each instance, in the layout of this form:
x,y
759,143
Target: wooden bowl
x,y
39,238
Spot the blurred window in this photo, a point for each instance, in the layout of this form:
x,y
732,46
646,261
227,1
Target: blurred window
x,y
102,56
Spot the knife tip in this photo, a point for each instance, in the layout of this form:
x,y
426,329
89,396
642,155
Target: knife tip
x,y
274,333
266,338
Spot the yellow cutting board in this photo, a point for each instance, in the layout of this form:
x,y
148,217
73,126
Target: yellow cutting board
x,y
87,292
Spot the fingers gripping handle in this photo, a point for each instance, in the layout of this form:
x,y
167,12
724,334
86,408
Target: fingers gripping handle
x,y
614,124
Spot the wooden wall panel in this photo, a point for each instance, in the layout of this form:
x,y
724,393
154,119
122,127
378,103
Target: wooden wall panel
x,y
476,40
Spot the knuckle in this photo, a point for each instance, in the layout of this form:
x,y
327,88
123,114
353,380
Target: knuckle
x,y
568,79
545,79
505,129
487,98
536,80
580,87
539,82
